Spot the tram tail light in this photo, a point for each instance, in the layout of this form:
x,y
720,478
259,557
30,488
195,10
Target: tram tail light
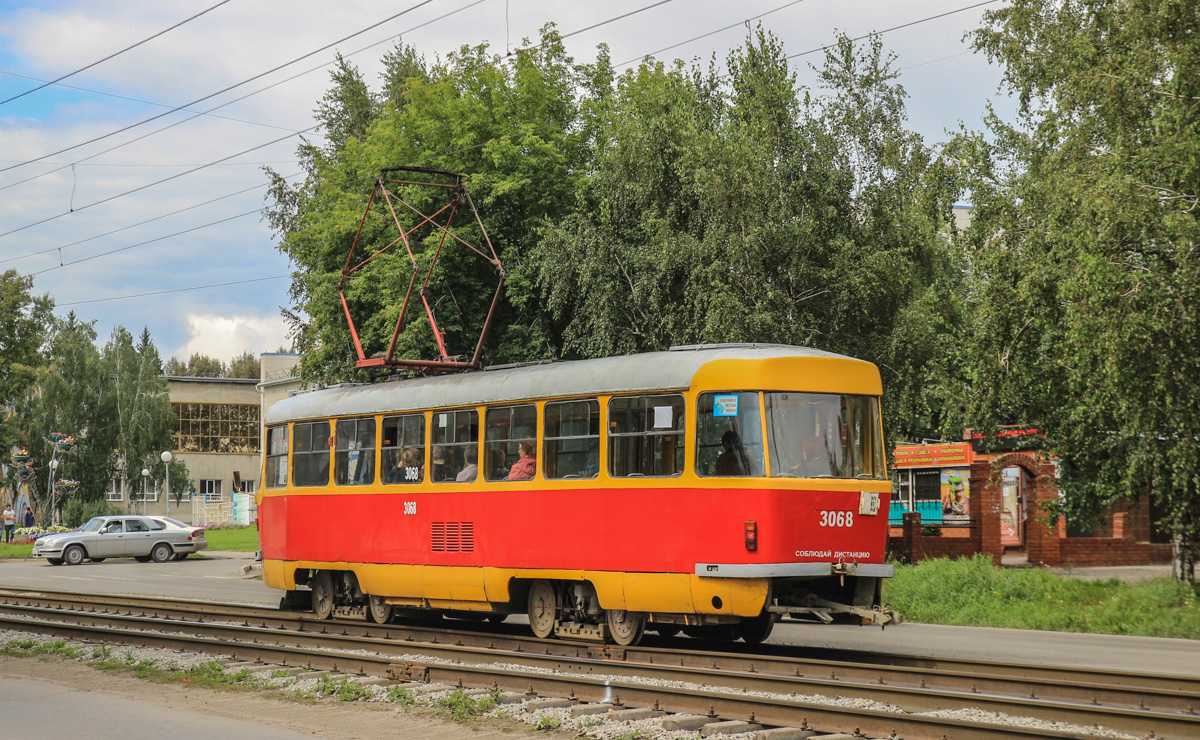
x,y
751,535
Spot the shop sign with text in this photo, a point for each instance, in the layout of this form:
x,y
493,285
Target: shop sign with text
x,y
933,456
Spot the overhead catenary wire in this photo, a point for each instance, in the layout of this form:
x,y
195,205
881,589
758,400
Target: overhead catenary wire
x,y
237,99
174,290
223,90
114,54
432,158
710,33
897,28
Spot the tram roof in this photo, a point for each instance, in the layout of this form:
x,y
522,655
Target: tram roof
x,y
651,371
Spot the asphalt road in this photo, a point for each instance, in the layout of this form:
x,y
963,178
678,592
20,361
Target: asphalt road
x,y
220,578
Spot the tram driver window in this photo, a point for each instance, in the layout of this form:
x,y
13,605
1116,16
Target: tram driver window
x,y
504,431
354,452
453,433
310,453
572,439
277,460
728,435
403,449
645,436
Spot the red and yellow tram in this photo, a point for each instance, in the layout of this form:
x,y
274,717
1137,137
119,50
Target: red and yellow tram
x,y
710,489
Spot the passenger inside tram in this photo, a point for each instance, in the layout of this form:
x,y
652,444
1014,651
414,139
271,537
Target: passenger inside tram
x,y
734,460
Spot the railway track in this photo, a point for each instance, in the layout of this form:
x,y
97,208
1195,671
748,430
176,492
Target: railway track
x,y
768,688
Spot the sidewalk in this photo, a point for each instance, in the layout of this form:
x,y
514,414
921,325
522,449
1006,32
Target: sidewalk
x,y
1125,573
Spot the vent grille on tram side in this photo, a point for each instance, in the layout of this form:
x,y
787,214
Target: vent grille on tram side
x,y
453,536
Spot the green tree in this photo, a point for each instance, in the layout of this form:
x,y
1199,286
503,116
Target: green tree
x,y
25,323
245,365
197,366
745,209
138,403
1084,274
510,125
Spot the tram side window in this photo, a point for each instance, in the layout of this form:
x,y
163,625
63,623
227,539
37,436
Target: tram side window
x,y
572,439
310,453
728,435
645,436
453,433
403,449
505,430
354,452
277,460
824,435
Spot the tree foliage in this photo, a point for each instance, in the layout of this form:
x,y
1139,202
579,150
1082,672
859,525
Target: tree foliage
x,y
25,322
668,205
1084,262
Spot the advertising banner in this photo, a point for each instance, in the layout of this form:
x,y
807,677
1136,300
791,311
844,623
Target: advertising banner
x,y
956,496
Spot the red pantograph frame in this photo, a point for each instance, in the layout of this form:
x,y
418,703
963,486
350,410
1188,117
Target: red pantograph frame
x,y
459,195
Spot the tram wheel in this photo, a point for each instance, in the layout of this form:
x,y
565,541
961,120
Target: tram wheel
x,y
626,627
322,595
497,618
756,629
380,611
543,608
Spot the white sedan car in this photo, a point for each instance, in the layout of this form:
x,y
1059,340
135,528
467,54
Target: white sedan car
x,y
140,537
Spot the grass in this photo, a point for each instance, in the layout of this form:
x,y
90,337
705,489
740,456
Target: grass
x,y
15,552
463,708
241,539
977,593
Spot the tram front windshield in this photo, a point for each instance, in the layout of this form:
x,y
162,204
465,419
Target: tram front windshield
x,y
813,435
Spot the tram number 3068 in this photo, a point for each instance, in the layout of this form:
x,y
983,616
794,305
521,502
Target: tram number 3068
x,y
410,507
837,519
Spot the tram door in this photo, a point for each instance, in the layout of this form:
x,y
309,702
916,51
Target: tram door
x,y
1012,508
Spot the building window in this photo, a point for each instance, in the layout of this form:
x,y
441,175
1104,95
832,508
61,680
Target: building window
x,y
453,433
645,436
310,453
210,490
403,449
354,452
277,457
114,490
572,439
506,428
217,427
248,486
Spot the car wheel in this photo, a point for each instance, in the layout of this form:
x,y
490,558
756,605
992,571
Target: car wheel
x,y
74,555
161,553
54,561
181,555
97,560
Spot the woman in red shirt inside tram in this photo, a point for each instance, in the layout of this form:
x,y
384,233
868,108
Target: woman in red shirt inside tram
x,y
524,468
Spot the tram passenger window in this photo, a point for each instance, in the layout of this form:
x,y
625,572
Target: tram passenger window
x,y
728,435
310,453
453,433
504,430
645,436
572,439
354,452
403,449
277,460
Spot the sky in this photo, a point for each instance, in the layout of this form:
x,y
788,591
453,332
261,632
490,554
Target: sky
x,y
118,225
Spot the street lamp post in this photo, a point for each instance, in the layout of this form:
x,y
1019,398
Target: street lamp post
x,y
53,496
166,458
145,477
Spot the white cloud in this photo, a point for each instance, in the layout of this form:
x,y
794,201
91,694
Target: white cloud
x,y
226,337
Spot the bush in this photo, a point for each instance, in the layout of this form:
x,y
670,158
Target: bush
x,y
75,512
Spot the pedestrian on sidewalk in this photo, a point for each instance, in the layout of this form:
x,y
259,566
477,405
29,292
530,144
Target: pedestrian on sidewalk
x,y
9,517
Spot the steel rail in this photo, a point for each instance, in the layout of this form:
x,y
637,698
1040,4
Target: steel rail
x,y
580,688
910,699
1178,694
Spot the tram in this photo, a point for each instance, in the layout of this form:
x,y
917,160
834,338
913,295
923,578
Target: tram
x,y
710,489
